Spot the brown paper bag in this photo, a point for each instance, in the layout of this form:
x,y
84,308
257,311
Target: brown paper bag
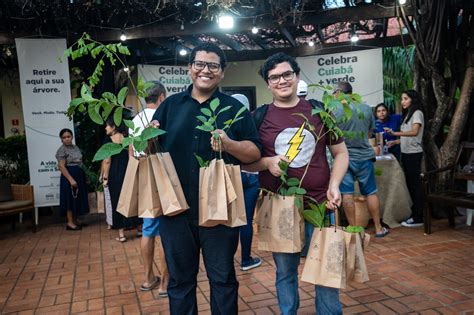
x,y
128,200
350,240
236,209
100,201
280,225
325,262
169,200
149,205
213,194
176,184
360,268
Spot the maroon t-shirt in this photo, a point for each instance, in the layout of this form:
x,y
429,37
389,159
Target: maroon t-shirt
x,y
283,133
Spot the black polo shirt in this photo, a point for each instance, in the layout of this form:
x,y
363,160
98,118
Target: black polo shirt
x,y
177,116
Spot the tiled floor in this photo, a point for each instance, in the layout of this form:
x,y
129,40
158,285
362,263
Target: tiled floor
x,y
58,272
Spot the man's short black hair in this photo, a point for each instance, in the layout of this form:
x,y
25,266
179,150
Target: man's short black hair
x,y
344,86
209,48
276,59
154,92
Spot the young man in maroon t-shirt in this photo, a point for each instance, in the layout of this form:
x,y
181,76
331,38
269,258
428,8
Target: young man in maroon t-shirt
x,y
284,137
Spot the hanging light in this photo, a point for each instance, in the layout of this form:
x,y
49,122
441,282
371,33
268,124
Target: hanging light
x,y
183,52
368,1
182,26
225,22
126,69
402,2
254,30
123,37
310,43
354,36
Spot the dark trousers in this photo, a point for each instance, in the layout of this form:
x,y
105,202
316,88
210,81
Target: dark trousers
x,y
182,242
411,163
251,190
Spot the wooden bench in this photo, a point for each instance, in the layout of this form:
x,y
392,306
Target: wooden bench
x,y
448,196
23,200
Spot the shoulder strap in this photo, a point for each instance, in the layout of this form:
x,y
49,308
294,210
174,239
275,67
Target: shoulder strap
x,y
259,114
316,104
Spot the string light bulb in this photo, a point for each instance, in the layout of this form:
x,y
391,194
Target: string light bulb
x,y
310,43
225,22
183,52
254,30
123,37
402,2
354,37
126,69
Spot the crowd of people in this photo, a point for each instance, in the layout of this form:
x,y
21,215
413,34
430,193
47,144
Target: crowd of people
x,y
259,149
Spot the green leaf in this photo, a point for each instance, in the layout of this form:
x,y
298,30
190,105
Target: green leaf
x,y
118,116
316,111
94,115
202,119
201,161
106,151
76,101
86,93
129,124
292,190
354,229
109,96
108,108
126,142
140,146
205,128
283,192
301,191
150,133
206,111
122,95
214,104
224,109
298,203
293,181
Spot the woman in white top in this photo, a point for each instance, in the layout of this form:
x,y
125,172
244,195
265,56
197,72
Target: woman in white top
x,y
411,137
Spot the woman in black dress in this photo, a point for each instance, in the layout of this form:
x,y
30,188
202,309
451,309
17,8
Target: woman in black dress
x,y
113,174
73,190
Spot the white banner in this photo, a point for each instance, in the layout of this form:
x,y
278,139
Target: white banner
x,y
174,78
45,95
363,69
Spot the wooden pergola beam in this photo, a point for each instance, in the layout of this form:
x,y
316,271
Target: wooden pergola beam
x,y
351,14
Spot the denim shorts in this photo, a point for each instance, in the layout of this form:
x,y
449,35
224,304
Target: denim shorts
x,y
363,172
151,227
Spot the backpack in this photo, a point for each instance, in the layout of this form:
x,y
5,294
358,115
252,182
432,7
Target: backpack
x,y
259,113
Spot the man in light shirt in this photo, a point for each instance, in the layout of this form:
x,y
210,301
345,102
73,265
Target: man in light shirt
x,y
156,95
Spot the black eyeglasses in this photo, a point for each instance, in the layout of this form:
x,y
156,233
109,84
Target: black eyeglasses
x,y
212,66
287,76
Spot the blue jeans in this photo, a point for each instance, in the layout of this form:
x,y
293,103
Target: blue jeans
x,y
327,299
182,244
251,189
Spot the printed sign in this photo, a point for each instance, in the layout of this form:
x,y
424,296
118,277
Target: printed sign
x,y
174,78
45,96
363,69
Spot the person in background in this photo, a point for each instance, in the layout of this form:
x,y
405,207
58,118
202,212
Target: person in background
x,y
279,126
151,227
112,175
251,191
411,145
392,121
361,159
73,190
183,239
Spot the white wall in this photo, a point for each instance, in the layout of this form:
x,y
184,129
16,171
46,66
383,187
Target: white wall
x,y
11,103
245,73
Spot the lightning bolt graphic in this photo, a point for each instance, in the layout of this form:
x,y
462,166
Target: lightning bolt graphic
x,y
295,144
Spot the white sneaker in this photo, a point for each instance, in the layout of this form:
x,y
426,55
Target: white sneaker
x,y
410,221
413,224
